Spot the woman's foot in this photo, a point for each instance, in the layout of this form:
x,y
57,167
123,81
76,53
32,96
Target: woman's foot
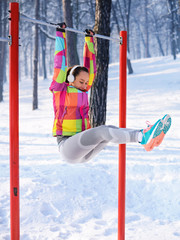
x,y
153,135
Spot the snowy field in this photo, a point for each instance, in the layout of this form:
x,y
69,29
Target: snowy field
x,y
79,202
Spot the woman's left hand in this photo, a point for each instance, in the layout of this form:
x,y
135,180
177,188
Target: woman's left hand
x,y
89,32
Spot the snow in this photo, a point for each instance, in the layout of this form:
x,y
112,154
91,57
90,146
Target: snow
x,y
74,202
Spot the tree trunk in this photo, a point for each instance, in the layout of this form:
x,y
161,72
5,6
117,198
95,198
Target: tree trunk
x,y
158,38
5,33
1,60
115,17
99,89
129,65
178,29
72,55
130,69
147,54
3,46
172,28
35,70
43,38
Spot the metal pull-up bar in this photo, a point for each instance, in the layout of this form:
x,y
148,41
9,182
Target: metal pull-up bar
x,y
14,117
4,39
28,19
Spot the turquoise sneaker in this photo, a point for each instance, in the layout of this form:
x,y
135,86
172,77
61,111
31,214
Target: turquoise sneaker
x,y
150,134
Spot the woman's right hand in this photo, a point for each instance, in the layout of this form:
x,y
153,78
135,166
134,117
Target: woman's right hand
x,y
61,26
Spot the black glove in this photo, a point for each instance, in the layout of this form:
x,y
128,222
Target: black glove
x,y
61,27
89,33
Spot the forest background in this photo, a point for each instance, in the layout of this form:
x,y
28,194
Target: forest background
x,y
153,30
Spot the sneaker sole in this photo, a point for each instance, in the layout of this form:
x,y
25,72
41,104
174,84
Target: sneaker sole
x,y
152,143
166,125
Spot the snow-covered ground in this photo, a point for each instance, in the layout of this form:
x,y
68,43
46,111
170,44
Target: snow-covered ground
x,y
79,202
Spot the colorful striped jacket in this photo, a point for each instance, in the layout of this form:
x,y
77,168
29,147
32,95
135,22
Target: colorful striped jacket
x,y
71,105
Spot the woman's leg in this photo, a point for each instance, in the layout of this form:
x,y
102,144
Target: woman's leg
x,y
85,145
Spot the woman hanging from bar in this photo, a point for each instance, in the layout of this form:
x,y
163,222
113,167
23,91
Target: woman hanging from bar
x,y
77,141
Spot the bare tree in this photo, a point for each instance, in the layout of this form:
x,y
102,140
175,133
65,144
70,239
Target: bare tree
x,y
121,15
99,89
173,26
179,24
35,70
147,53
3,45
127,11
158,26
1,60
43,37
72,55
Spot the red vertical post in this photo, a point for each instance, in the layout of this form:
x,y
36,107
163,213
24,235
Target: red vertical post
x,y
122,124
14,119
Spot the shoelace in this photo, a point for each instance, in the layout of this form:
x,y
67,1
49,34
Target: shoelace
x,y
149,125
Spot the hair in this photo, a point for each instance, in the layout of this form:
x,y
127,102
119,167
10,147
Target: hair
x,y
76,71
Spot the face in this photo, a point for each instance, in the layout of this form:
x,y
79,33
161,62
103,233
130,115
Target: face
x,y
81,81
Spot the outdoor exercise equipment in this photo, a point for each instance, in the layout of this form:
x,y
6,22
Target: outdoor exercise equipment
x,y
13,41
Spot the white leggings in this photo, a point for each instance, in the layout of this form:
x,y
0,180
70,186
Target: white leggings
x,y
83,146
